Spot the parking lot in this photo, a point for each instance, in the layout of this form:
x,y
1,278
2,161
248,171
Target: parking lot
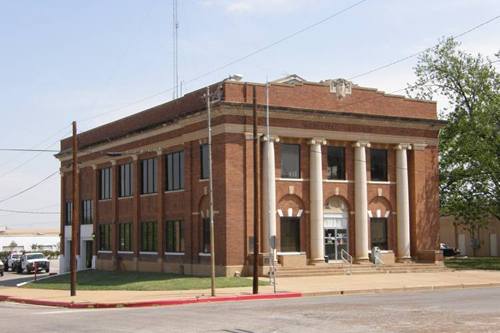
x,y
11,279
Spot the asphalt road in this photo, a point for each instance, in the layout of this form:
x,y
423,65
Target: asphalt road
x,y
469,310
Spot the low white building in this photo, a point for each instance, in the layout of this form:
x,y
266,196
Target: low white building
x,y
29,239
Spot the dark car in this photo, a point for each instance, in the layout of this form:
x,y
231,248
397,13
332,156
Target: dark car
x,y
449,251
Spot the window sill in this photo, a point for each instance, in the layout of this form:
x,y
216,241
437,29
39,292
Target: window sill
x,y
104,252
338,181
203,180
203,254
292,179
174,253
174,191
290,253
148,253
127,197
144,195
105,200
125,252
381,182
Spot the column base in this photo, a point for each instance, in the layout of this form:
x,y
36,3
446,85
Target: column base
x,y
404,260
316,261
362,261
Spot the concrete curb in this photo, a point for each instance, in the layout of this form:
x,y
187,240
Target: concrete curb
x,y
394,290
83,305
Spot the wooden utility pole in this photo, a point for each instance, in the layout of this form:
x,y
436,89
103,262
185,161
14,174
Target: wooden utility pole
x,y
256,229
75,212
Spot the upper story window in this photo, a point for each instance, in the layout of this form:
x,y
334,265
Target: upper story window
x,y
378,164
204,161
68,213
149,178
87,212
105,184
175,171
290,160
125,186
336,162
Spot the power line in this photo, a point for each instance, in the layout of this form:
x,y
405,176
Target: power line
x,y
376,69
257,51
29,188
29,150
14,211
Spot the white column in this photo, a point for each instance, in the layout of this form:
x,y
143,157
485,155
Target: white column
x,y
316,200
269,195
361,201
403,202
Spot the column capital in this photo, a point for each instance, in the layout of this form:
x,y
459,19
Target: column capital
x,y
135,157
403,146
159,151
361,144
113,162
94,167
419,146
270,138
317,141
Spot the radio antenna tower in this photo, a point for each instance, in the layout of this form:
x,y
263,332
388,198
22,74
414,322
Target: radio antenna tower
x,y
175,28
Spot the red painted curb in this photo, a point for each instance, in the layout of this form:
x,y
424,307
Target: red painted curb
x,y
73,305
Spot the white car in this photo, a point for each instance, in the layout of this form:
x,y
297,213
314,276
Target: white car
x,y
12,261
31,262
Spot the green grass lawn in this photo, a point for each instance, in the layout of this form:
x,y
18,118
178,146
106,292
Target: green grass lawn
x,y
491,263
101,280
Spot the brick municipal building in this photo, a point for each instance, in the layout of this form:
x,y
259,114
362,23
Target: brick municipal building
x,y
344,169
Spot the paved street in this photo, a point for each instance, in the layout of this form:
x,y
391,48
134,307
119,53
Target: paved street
x,y
444,311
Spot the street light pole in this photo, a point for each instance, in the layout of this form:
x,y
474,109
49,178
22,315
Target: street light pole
x,y
256,229
75,211
211,196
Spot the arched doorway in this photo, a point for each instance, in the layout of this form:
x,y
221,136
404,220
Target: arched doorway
x,y
336,228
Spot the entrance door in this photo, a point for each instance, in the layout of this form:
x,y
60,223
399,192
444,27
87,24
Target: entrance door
x,y
88,254
378,228
335,241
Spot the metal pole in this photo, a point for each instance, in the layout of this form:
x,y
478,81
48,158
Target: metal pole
x,y
256,229
211,196
75,212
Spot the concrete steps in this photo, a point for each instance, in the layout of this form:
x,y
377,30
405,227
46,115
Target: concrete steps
x,y
341,269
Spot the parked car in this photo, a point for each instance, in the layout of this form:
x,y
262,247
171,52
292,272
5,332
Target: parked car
x,y
31,262
449,251
2,267
12,261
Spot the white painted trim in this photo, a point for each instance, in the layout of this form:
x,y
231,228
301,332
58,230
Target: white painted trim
x,y
203,180
125,252
174,191
202,254
280,213
105,200
340,181
292,179
174,253
145,195
125,198
104,251
381,183
148,253
290,253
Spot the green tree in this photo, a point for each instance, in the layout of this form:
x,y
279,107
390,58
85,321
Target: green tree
x,y
469,144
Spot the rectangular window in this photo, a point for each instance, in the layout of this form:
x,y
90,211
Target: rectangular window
x,y
149,240
205,247
174,236
290,234
68,213
149,177
87,212
290,160
125,177
378,228
336,163
105,184
204,161
175,171
105,237
124,237
378,164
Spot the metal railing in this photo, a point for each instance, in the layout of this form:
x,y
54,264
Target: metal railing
x,y
347,259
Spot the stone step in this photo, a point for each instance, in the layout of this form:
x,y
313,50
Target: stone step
x,y
357,269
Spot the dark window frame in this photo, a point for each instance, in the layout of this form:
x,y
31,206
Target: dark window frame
x,y
125,237
379,165
385,244
174,236
125,177
332,158
204,167
68,212
290,242
149,237
104,237
174,171
205,237
87,217
105,183
149,176
286,170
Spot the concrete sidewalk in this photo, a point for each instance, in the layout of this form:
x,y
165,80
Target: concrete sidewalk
x,y
288,287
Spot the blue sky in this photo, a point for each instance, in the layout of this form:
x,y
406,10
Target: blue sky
x,y
67,60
